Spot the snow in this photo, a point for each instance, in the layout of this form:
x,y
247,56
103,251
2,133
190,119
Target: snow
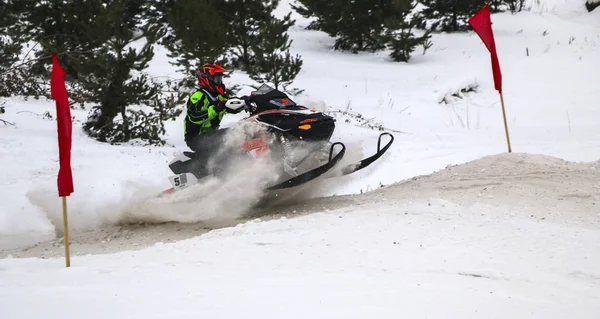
x,y
416,256
508,235
372,263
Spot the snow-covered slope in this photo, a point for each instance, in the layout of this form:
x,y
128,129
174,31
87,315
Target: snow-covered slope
x,y
508,236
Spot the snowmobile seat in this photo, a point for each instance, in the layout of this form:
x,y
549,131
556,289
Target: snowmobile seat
x,y
191,165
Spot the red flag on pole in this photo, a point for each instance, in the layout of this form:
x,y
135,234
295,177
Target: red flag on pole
x,y
58,90
481,22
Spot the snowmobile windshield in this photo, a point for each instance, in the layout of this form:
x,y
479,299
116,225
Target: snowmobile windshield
x,y
268,98
263,89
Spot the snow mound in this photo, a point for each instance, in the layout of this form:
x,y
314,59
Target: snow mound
x,y
517,164
539,187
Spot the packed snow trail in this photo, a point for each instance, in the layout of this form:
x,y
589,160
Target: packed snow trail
x,y
535,187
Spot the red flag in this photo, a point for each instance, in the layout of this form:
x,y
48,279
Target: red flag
x,y
58,90
481,22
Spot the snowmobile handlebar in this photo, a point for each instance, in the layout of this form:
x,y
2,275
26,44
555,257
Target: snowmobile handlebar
x,y
235,104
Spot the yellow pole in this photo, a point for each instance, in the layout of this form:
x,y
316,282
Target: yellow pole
x,y
66,227
505,124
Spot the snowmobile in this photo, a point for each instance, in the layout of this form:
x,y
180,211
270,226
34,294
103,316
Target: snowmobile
x,y
295,137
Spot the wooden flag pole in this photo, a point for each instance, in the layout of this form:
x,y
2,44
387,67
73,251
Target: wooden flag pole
x,y
505,124
66,231
64,125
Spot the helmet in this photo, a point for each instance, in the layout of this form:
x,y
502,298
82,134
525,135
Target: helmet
x,y
210,77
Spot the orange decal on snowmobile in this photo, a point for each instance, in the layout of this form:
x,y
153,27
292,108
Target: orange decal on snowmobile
x,y
253,144
258,146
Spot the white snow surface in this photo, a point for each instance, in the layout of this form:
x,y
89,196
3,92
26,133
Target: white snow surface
x,y
505,235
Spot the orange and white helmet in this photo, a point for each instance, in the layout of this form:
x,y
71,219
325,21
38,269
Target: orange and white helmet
x,y
210,77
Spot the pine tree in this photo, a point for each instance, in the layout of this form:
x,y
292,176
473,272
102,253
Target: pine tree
x,y
273,62
246,17
121,91
449,15
196,35
9,50
70,28
590,5
14,78
10,44
496,6
156,12
357,25
364,25
403,41
515,5
399,35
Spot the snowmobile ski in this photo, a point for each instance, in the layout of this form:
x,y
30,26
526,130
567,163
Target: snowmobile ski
x,y
314,173
349,169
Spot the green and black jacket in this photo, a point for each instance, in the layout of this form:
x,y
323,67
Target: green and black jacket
x,y
204,113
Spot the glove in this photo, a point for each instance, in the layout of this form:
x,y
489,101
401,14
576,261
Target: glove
x,y
248,100
220,106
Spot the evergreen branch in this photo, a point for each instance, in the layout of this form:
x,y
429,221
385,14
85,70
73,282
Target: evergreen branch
x,y
28,52
7,122
15,67
27,111
43,57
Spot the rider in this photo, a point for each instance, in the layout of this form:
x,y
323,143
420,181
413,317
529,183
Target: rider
x,y
205,109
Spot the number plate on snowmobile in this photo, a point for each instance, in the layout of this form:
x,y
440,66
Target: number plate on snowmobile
x,y
182,180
